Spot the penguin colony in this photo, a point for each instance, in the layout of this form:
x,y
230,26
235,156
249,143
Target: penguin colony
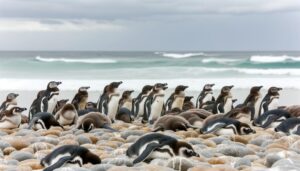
x,y
177,113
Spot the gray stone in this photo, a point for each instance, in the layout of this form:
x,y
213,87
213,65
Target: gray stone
x,y
182,164
83,140
118,161
260,140
47,139
218,140
132,138
101,167
27,132
242,162
271,159
21,155
9,162
127,133
4,144
3,133
234,150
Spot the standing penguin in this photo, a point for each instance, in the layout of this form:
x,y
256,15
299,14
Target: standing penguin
x,y
154,105
60,104
205,97
224,101
46,100
109,100
125,107
11,100
253,101
139,101
11,118
270,101
81,98
177,98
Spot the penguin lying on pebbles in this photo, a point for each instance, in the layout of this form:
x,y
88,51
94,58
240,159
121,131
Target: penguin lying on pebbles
x,y
69,155
93,120
289,126
271,118
187,103
43,120
11,100
156,145
172,122
11,118
195,116
225,126
67,115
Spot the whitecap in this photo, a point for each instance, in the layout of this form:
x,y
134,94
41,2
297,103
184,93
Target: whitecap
x,y
76,60
273,59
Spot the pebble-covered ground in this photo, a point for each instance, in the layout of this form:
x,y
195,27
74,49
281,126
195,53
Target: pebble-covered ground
x,y
22,149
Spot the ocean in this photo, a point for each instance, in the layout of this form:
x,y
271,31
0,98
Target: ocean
x,y
31,71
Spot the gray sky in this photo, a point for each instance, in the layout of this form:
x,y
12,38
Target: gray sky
x,y
150,25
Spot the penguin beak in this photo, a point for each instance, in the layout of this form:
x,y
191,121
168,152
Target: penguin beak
x,y
260,87
231,86
23,109
131,91
185,87
58,83
16,95
87,87
211,85
66,100
279,88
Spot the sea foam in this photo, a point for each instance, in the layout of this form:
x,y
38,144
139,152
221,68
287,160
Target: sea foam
x,y
179,55
76,60
273,59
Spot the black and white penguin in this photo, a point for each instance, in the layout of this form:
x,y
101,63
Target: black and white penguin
x,y
11,100
253,101
43,120
109,100
81,98
225,126
69,155
93,120
60,103
289,126
156,145
67,115
187,103
172,122
154,105
11,118
46,100
294,110
242,114
224,101
195,116
139,101
125,107
270,101
271,118
176,99
205,97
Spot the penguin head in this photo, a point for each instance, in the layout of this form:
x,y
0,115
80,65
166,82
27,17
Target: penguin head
x,y
180,88
53,84
188,98
160,86
88,157
11,97
246,129
91,105
83,89
116,84
127,93
88,125
146,89
208,87
17,110
273,91
184,149
226,89
255,90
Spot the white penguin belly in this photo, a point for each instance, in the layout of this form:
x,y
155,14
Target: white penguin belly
x,y
7,125
56,159
223,131
113,107
228,105
274,124
156,108
52,103
178,103
66,121
274,104
256,108
127,105
141,107
11,122
207,98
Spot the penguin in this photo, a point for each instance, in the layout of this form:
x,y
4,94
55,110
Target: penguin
x,y
67,115
125,107
10,119
289,126
46,100
93,120
270,101
69,155
11,100
172,122
271,118
156,145
139,101
205,97
253,101
224,101
109,93
195,116
154,105
90,107
80,99
176,99
59,105
223,126
294,110
187,103
43,120
242,114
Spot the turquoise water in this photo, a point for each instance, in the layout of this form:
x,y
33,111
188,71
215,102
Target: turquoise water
x,y
241,68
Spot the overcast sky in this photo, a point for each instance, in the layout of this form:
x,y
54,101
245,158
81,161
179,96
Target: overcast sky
x,y
150,25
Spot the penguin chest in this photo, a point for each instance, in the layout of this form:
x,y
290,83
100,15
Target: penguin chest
x,y
113,106
256,108
128,105
274,104
10,123
67,118
82,105
156,108
141,106
228,105
178,103
52,103
56,159
225,131
208,97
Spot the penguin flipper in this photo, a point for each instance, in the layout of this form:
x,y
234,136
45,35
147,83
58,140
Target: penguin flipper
x,y
32,122
269,121
217,127
149,149
59,163
106,126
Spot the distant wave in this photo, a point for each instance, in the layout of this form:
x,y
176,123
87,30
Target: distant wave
x,y
273,59
180,55
75,60
220,60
